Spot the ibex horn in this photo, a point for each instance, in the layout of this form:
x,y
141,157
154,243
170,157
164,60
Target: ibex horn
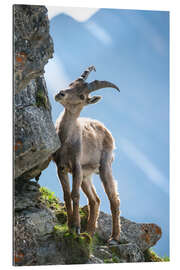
x,y
96,85
86,73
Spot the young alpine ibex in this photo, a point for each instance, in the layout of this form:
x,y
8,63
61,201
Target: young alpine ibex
x,y
86,148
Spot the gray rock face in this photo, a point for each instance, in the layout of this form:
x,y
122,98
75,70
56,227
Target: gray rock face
x,y
33,44
94,260
25,195
35,241
128,252
144,235
35,138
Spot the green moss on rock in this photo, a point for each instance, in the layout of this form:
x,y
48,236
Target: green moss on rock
x,y
41,99
60,230
76,249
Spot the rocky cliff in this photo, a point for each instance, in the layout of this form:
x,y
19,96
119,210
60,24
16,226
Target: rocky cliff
x,y
40,231
35,138
41,235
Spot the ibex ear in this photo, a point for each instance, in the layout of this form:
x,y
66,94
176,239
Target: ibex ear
x,y
93,100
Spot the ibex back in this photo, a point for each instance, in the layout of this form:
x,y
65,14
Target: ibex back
x,y
86,148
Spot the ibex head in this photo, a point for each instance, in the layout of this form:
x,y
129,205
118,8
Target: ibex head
x,y
78,94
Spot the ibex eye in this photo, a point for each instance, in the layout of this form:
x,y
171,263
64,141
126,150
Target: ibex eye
x,y
81,97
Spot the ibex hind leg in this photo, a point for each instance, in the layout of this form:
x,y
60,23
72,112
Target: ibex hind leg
x,y
110,187
94,203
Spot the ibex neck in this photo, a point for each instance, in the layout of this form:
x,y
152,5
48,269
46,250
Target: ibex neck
x,y
69,116
68,125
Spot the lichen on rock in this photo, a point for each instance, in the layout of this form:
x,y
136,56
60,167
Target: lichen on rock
x,y
35,139
33,45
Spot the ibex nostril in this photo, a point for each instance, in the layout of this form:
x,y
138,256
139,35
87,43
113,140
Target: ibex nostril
x,y
61,93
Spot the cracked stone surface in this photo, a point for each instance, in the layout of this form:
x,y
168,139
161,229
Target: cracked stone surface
x,y
129,252
33,45
35,138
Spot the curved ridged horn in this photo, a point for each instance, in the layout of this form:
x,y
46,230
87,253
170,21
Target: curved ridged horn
x,y
86,73
96,85
83,76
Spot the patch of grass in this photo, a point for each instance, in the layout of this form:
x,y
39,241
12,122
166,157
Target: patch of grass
x,y
166,258
51,201
49,198
151,256
114,259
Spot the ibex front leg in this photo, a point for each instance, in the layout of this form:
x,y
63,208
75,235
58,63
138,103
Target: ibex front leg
x,y
75,195
63,177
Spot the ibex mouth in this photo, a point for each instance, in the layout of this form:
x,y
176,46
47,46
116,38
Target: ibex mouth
x,y
56,97
59,96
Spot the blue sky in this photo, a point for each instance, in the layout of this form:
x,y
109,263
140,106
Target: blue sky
x,y
131,49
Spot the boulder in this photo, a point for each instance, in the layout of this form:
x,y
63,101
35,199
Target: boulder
x,y
128,252
144,235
